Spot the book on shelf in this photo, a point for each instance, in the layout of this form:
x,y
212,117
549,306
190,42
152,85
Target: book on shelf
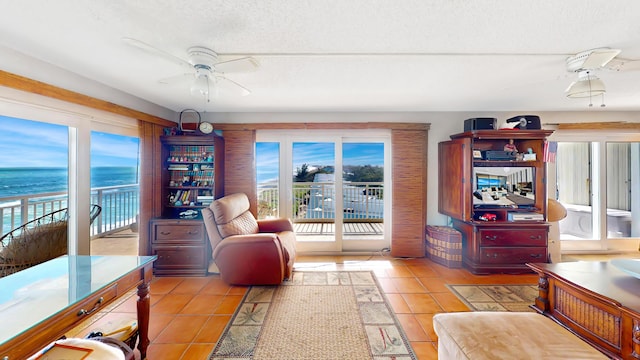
x,y
178,167
185,196
205,199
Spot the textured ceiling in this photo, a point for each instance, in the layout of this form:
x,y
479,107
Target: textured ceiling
x,y
337,55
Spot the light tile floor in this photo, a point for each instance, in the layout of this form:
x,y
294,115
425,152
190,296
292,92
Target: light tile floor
x,y
188,314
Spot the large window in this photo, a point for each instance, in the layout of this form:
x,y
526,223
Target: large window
x,y
33,170
55,138
267,172
34,175
574,181
598,182
623,164
115,161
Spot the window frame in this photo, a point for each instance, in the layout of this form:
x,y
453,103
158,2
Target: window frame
x,y
598,139
80,120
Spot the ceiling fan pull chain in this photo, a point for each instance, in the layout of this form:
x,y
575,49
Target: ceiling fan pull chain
x,y
602,105
208,98
589,79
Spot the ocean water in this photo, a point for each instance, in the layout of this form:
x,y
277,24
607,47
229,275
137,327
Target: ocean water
x,y
17,182
27,181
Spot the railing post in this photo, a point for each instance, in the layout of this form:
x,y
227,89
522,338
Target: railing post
x,y
24,211
99,219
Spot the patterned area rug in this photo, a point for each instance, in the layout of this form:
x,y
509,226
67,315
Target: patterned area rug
x,y
496,297
316,315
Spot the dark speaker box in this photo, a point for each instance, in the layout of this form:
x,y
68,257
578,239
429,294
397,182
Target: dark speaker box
x,y
480,124
528,122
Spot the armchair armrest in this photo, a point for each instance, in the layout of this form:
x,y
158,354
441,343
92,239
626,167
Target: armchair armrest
x,y
254,259
245,241
274,225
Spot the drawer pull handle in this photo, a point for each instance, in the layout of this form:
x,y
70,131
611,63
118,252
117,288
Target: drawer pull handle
x,y
83,312
536,256
492,238
194,232
535,237
165,232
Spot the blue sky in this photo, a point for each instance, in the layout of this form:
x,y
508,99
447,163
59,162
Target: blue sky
x,y
312,153
25,143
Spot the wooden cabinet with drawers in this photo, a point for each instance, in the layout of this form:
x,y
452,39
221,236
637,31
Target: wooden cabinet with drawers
x,y
181,246
498,201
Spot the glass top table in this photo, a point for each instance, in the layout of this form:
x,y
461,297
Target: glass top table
x,y
32,297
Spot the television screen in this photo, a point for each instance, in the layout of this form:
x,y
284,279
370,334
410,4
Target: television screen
x,y
510,187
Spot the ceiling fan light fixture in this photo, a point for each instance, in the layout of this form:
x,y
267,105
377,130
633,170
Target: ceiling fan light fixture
x,y
201,86
587,85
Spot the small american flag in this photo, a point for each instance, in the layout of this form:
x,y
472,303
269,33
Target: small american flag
x,y
550,150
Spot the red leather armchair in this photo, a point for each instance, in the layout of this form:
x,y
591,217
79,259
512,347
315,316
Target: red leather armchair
x,y
245,250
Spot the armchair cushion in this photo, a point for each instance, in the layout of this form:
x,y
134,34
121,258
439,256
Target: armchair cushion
x,y
232,216
244,224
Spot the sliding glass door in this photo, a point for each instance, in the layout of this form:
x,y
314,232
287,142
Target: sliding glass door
x,y
332,187
597,183
314,199
363,190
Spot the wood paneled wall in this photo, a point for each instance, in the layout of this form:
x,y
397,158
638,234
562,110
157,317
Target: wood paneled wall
x,y
150,181
240,164
409,153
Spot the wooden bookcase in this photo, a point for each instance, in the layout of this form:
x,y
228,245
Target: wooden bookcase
x,y
192,177
499,204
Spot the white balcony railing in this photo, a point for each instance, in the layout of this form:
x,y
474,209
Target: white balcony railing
x,y
119,204
315,201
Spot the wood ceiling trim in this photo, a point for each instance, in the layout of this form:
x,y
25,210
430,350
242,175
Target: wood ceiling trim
x,y
37,87
324,126
599,126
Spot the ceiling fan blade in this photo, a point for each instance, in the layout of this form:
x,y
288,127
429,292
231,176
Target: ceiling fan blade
x,y
178,79
234,86
243,64
155,51
623,65
599,58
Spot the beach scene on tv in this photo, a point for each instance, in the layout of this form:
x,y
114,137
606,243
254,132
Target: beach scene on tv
x,y
510,187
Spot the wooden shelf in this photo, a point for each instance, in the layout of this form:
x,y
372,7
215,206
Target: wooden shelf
x,y
181,242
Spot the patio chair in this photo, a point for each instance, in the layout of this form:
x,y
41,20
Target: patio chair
x,y
37,241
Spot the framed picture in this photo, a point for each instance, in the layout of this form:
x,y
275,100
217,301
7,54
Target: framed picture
x,y
67,352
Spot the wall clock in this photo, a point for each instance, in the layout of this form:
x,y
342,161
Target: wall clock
x,y
205,127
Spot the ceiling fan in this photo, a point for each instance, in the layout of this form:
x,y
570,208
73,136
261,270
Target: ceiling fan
x,y
207,74
586,63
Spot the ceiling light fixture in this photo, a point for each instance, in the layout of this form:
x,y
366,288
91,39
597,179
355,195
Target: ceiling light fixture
x,y
201,86
587,85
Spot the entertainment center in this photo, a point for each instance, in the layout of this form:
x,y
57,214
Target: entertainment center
x,y
496,197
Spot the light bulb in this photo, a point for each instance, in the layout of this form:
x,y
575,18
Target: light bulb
x,y
200,87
